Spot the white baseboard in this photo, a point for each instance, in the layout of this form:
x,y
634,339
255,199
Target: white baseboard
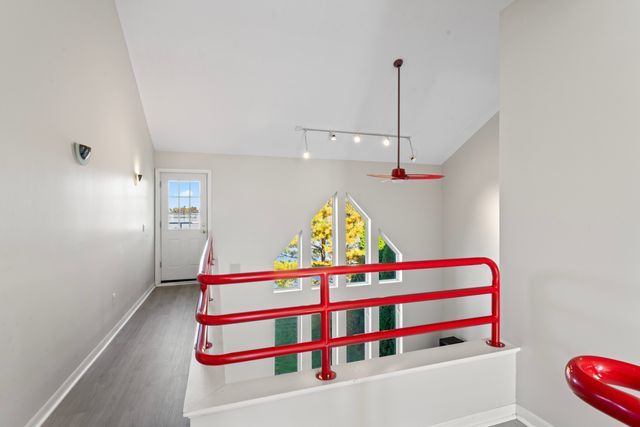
x,y
530,419
484,419
51,404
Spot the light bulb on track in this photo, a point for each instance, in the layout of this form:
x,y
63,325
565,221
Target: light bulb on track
x,y
386,142
357,139
332,136
306,155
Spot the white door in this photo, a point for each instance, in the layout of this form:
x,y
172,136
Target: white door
x,y
183,224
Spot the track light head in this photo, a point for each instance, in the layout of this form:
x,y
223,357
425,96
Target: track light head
x,y
332,136
357,139
386,141
306,155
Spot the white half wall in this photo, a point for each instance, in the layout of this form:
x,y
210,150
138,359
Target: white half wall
x,y
71,236
259,203
570,198
469,384
471,220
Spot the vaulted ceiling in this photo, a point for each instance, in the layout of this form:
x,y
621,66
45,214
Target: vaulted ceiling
x,y
237,77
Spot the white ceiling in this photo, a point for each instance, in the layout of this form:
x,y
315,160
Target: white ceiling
x,y
236,77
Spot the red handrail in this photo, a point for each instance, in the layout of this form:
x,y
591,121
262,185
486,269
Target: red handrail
x,y
591,378
325,307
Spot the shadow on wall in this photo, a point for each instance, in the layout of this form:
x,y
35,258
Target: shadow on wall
x,y
563,316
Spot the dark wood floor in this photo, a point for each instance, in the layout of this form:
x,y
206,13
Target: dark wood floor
x,y
141,377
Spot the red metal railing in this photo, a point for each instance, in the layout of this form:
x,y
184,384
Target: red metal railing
x,y
592,379
325,307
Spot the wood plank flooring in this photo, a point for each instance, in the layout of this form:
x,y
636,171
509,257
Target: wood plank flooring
x,y
141,377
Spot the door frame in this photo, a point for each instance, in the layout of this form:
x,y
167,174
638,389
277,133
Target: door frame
x,y
157,217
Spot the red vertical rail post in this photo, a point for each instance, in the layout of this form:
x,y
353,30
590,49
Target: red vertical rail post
x,y
495,306
325,330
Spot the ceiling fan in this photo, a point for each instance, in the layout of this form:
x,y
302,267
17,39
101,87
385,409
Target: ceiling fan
x,y
399,174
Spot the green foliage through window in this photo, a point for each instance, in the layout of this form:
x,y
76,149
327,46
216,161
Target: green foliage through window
x,y
316,334
386,255
355,325
387,321
286,332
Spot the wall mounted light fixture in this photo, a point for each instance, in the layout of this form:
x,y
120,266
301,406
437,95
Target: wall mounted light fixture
x,y
138,177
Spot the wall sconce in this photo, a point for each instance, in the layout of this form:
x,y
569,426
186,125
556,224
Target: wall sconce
x,y
138,178
82,153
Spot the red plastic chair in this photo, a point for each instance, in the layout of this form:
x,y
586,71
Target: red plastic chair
x,y
592,379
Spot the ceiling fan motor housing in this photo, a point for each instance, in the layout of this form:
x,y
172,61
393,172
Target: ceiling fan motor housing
x,y
399,173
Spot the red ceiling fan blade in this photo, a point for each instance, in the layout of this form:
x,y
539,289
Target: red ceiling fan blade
x,y
423,176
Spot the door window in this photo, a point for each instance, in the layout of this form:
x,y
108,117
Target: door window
x,y
184,205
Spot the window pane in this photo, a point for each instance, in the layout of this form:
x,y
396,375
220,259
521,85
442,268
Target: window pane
x,y
387,322
322,239
192,213
356,240
175,214
286,332
386,254
316,334
355,325
174,188
184,188
194,187
289,259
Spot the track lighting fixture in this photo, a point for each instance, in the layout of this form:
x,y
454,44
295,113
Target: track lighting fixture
x,y
356,139
386,142
332,136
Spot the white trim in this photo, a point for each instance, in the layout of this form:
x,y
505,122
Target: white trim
x,y
483,419
64,389
157,217
530,419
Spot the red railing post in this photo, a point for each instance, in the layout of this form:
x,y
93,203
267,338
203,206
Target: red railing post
x,y
325,330
495,306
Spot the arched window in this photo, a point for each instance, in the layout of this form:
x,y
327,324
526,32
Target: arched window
x,y
324,244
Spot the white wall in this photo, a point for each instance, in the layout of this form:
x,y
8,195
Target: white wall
x,y
70,235
570,202
471,220
259,203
